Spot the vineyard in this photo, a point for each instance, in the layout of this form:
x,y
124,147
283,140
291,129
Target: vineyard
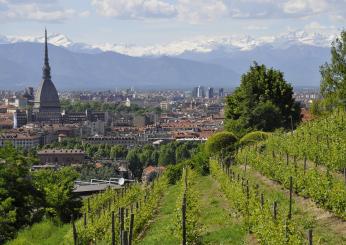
x,y
132,206
287,188
321,141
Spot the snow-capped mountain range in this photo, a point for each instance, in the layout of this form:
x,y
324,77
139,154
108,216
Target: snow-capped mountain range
x,y
227,44
207,61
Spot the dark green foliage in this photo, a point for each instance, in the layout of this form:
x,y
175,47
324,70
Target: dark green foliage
x,y
136,166
88,172
263,95
57,187
19,200
154,158
200,161
146,155
81,106
333,83
174,173
265,116
182,152
118,152
167,154
220,141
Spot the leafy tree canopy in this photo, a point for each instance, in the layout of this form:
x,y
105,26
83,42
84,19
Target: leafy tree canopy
x,y
333,81
263,101
57,187
19,200
136,166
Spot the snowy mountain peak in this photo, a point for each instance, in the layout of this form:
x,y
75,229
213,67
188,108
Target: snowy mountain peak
x,y
55,38
197,45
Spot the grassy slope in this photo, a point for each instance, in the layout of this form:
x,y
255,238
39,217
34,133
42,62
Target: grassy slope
x,y
45,232
221,226
161,231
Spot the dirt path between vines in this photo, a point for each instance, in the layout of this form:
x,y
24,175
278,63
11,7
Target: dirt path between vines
x,y
323,217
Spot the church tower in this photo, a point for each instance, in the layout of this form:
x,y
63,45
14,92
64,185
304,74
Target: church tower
x,y
46,98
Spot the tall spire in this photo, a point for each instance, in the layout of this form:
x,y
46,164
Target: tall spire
x,y
46,68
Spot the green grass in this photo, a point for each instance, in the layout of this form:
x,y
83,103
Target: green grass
x,y
161,231
45,232
221,225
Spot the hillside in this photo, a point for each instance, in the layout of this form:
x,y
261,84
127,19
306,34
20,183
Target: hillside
x,y
280,184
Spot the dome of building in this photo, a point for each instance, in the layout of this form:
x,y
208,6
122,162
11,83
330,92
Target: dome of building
x,y
46,98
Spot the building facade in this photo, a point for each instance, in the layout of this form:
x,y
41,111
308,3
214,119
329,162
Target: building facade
x,y
61,156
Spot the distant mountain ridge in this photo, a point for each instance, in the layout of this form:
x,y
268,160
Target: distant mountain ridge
x,y
20,66
215,62
228,44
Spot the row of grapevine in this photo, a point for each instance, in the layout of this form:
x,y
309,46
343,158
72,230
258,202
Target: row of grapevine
x,y
322,141
321,187
187,210
133,207
269,219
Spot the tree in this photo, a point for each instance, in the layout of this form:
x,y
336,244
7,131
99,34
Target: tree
x,y
167,154
145,156
222,141
263,101
265,116
333,81
135,166
182,152
19,200
118,151
57,187
155,157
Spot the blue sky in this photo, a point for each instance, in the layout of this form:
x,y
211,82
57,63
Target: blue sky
x,y
145,22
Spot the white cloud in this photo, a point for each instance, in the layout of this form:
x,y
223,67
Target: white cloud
x,y
84,14
201,10
34,10
135,9
305,6
256,27
186,10
195,11
314,26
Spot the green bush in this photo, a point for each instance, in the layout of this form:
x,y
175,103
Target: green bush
x,y
253,137
220,141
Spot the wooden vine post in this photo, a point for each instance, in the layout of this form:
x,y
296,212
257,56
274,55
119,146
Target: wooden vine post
x,y
85,220
310,236
124,238
74,230
113,229
132,219
121,228
262,200
291,192
275,206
